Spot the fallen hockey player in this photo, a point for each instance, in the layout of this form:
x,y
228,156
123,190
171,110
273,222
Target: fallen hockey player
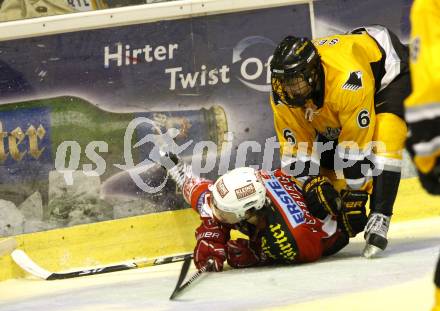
x,y
284,223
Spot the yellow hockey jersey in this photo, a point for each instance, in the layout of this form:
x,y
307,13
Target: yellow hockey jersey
x,y
355,69
423,105
348,107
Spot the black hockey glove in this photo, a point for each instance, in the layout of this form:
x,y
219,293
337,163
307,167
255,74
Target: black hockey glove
x,y
321,198
353,216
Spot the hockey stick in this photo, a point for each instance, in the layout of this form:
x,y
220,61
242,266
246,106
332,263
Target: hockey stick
x,y
27,264
182,275
185,267
7,245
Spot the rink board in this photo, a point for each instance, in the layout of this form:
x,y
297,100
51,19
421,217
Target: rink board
x,y
156,235
106,242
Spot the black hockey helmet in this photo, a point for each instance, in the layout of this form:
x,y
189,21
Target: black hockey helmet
x,y
296,73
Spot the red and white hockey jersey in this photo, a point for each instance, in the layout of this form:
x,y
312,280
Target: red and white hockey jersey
x,y
290,234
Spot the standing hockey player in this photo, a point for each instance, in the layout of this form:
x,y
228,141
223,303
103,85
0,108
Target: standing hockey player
x,y
272,211
423,106
345,92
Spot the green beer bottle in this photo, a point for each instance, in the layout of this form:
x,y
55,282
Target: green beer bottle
x,y
32,131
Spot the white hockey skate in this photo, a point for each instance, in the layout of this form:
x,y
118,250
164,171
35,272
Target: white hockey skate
x,y
376,234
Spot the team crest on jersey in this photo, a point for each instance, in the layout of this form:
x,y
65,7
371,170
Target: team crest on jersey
x,y
354,81
331,133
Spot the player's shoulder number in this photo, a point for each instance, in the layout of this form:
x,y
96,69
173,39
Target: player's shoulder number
x,y
289,136
363,118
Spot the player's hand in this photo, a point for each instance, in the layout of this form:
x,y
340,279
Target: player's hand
x,y
206,250
211,244
353,214
321,198
241,253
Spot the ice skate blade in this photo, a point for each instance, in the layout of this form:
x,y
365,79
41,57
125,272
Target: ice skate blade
x,y
370,251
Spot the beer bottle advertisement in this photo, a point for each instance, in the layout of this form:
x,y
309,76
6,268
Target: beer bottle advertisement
x,y
34,133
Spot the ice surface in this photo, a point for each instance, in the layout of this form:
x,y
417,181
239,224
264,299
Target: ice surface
x,y
401,279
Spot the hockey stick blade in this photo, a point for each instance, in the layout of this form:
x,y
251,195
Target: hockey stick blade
x,y
27,264
185,267
24,262
182,275
7,246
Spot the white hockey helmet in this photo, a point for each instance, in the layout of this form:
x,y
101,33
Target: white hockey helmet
x,y
236,192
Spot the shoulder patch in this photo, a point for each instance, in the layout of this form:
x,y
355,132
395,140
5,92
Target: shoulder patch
x,y
354,81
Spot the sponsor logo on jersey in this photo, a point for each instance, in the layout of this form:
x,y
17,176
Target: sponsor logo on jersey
x,y
245,191
354,81
266,248
279,245
284,200
286,249
331,133
221,188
